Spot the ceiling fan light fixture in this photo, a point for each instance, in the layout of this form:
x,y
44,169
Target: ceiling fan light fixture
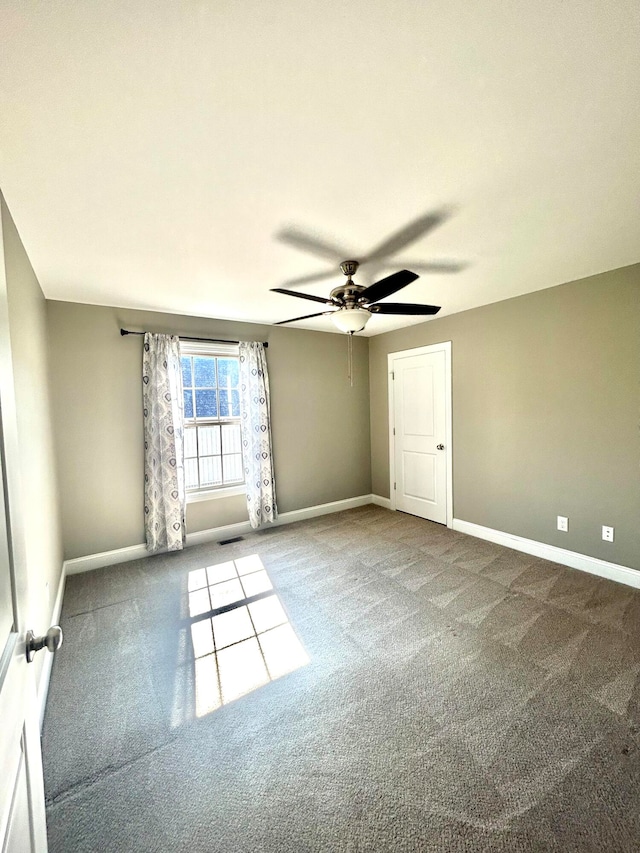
x,y
351,319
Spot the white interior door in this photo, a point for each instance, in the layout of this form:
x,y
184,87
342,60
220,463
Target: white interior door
x,y
22,813
420,430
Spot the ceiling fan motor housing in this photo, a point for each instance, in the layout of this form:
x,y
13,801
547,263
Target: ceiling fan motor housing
x,y
347,294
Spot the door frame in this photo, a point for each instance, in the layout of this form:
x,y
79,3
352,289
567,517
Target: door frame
x,y
445,347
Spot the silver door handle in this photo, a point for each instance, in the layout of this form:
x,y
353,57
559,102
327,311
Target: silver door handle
x,y
440,446
52,640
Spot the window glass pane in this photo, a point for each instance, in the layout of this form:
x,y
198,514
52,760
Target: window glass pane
x,y
206,403
186,370
228,373
213,453
210,471
231,442
191,473
229,404
190,444
232,464
209,440
188,404
204,370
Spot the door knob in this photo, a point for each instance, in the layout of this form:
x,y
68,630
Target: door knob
x,y
440,446
52,640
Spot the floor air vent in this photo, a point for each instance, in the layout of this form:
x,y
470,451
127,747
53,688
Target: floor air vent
x,y
229,541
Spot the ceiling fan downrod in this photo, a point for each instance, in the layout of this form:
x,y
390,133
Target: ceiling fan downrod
x,y
348,294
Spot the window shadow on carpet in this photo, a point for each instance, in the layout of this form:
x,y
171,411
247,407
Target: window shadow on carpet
x,y
240,633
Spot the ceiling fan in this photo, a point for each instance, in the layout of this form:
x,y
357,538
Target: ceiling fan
x,y
351,305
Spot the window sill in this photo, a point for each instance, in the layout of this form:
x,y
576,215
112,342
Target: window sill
x,y
214,494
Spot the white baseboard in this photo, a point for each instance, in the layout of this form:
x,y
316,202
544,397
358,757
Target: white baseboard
x,y
323,509
380,501
45,673
213,534
612,571
105,558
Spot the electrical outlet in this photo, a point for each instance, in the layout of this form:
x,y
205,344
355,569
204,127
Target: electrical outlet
x,y
607,533
563,523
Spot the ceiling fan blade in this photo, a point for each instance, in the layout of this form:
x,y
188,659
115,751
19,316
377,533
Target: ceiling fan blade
x,y
321,299
387,286
310,243
429,266
308,279
306,317
409,234
403,308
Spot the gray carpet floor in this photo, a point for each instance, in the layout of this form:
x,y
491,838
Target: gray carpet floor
x,y
401,688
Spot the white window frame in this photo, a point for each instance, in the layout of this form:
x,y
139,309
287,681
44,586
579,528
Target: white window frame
x,y
191,348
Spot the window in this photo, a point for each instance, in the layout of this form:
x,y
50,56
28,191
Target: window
x,y
212,442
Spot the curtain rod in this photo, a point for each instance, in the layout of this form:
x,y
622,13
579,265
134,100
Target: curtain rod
x,y
204,340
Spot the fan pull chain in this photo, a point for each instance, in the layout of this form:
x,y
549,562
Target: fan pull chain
x,y
350,358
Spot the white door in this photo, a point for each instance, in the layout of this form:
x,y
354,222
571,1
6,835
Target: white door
x,y
22,814
420,432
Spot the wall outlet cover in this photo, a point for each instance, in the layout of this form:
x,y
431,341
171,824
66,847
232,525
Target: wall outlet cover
x,y
607,533
563,523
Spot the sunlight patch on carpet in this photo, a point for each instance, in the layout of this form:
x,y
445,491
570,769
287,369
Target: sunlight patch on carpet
x,y
240,633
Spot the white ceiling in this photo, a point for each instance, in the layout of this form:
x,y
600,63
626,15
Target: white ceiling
x,y
151,152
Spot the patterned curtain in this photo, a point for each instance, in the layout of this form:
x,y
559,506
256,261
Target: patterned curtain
x,y
255,419
164,492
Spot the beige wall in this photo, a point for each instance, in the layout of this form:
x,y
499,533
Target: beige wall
x,y
39,490
546,406
546,412
320,424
